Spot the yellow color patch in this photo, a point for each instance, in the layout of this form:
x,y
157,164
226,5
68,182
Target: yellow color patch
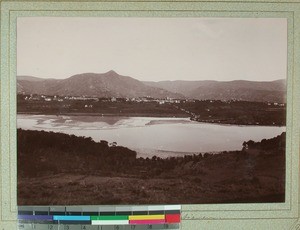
x,y
147,217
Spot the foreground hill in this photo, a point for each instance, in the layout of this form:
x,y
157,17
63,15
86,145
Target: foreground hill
x,y
88,172
273,91
108,84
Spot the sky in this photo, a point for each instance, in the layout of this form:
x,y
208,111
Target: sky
x,y
153,49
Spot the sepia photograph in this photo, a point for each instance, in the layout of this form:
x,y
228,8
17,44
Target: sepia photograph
x,y
118,111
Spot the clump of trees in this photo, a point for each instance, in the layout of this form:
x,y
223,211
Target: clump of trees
x,y
275,143
236,112
44,153
41,152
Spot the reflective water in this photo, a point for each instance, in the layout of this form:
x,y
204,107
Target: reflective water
x,y
151,135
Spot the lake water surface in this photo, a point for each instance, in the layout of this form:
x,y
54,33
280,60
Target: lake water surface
x,y
152,135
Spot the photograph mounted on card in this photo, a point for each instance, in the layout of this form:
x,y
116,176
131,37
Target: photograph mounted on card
x,y
185,108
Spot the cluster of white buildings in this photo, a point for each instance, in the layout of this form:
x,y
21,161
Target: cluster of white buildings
x,y
148,99
32,97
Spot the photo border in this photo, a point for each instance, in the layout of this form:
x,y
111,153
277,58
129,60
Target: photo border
x,y
208,216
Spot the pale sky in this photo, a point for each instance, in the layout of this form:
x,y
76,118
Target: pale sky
x,y
153,49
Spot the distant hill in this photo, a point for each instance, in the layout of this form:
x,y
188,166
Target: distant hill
x,y
108,84
112,84
274,91
29,78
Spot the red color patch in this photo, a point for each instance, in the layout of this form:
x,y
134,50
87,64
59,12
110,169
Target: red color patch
x,y
173,218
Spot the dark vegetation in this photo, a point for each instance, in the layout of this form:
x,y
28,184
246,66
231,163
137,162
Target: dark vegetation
x,y
275,143
223,112
237,112
104,106
55,168
41,152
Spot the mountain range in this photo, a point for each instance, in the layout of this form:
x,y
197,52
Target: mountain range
x,y
111,84
108,84
227,90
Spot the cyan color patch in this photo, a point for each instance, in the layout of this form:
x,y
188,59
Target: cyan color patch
x,y
75,218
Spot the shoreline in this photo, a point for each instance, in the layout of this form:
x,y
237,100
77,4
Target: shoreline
x,y
146,115
164,154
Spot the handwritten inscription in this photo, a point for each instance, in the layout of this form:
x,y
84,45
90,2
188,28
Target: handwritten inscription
x,y
196,216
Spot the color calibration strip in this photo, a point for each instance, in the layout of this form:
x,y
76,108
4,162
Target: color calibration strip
x,y
106,215
105,220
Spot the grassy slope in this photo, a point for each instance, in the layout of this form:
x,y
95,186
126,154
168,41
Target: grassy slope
x,y
62,169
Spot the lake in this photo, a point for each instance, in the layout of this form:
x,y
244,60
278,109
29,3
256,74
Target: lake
x,y
152,135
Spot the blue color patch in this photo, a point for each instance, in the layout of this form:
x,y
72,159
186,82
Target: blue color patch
x,y
35,217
